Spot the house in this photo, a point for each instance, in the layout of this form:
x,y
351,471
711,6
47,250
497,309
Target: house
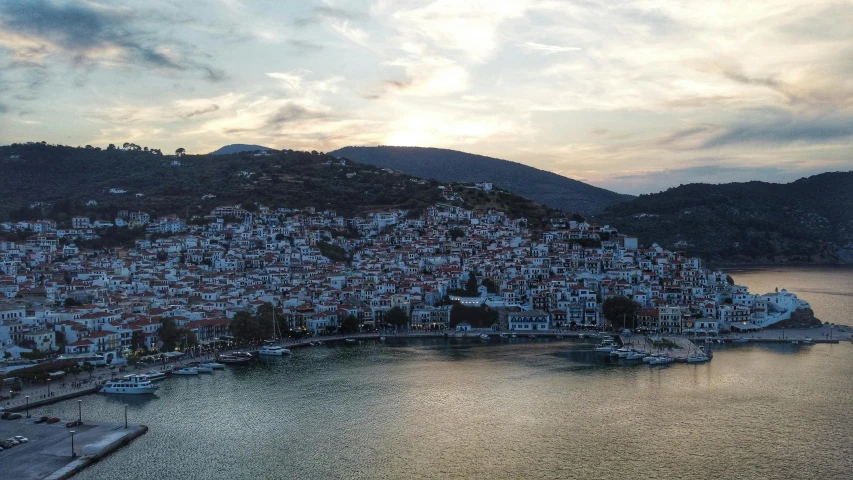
x,y
463,327
531,320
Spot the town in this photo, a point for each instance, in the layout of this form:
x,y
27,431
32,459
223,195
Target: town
x,y
321,269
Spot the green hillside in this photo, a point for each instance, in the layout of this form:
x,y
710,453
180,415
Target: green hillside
x,y
64,179
809,220
452,166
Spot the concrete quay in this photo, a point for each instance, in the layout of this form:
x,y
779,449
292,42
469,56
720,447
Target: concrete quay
x,y
48,455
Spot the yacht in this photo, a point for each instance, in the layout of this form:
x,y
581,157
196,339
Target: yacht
x,y
154,375
274,351
185,371
635,356
201,367
698,358
605,347
234,359
131,384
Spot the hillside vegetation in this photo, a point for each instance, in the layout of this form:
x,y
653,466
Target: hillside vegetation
x,y
809,220
452,166
65,179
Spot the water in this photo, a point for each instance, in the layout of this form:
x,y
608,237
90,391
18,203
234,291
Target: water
x,y
437,408
829,290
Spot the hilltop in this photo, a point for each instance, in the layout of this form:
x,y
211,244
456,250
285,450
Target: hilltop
x,y
239,148
806,221
444,165
63,181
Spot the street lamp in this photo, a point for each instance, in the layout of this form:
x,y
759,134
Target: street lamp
x,y
73,454
80,411
28,405
125,415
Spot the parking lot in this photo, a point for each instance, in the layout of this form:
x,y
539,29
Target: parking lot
x,y
48,449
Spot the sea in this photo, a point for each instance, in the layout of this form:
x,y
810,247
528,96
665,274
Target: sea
x,y
513,409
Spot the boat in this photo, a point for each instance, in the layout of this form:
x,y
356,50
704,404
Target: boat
x,y
274,351
623,353
794,342
234,359
485,337
635,356
154,375
532,336
503,335
513,335
808,341
213,365
741,340
350,341
698,358
382,338
130,385
580,336
661,360
202,368
650,358
604,347
185,371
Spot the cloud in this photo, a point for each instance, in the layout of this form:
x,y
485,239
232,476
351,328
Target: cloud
x,y
784,131
85,34
212,108
546,49
3,108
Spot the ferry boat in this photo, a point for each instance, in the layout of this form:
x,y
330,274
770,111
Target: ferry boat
x,y
274,351
130,385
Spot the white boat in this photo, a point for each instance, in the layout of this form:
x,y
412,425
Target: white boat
x,y
274,351
513,335
580,336
213,365
650,358
794,342
808,341
698,358
202,368
622,352
741,340
605,347
154,375
350,340
130,385
485,337
382,338
503,335
661,360
635,356
185,371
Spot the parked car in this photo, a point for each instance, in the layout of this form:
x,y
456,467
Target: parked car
x,y
21,439
73,423
13,441
52,420
42,420
5,415
11,416
6,444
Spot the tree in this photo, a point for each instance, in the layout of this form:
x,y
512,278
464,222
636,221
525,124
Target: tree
x,y
397,317
180,151
456,233
137,341
169,334
620,311
471,284
111,147
244,327
88,368
350,324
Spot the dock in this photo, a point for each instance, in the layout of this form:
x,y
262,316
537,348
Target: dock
x,y
683,348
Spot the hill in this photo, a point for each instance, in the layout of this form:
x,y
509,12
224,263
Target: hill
x,y
452,166
61,182
806,221
237,148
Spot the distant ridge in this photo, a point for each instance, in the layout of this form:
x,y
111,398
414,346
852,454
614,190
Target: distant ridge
x,y
237,148
806,221
444,165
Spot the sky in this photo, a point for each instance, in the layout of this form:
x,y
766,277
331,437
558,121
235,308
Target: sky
x,y
631,95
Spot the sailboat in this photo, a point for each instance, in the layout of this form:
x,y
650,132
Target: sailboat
x,y
270,348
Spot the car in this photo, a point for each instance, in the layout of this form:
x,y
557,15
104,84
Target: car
x,y
21,439
42,420
6,444
13,441
5,415
52,420
73,423
12,416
